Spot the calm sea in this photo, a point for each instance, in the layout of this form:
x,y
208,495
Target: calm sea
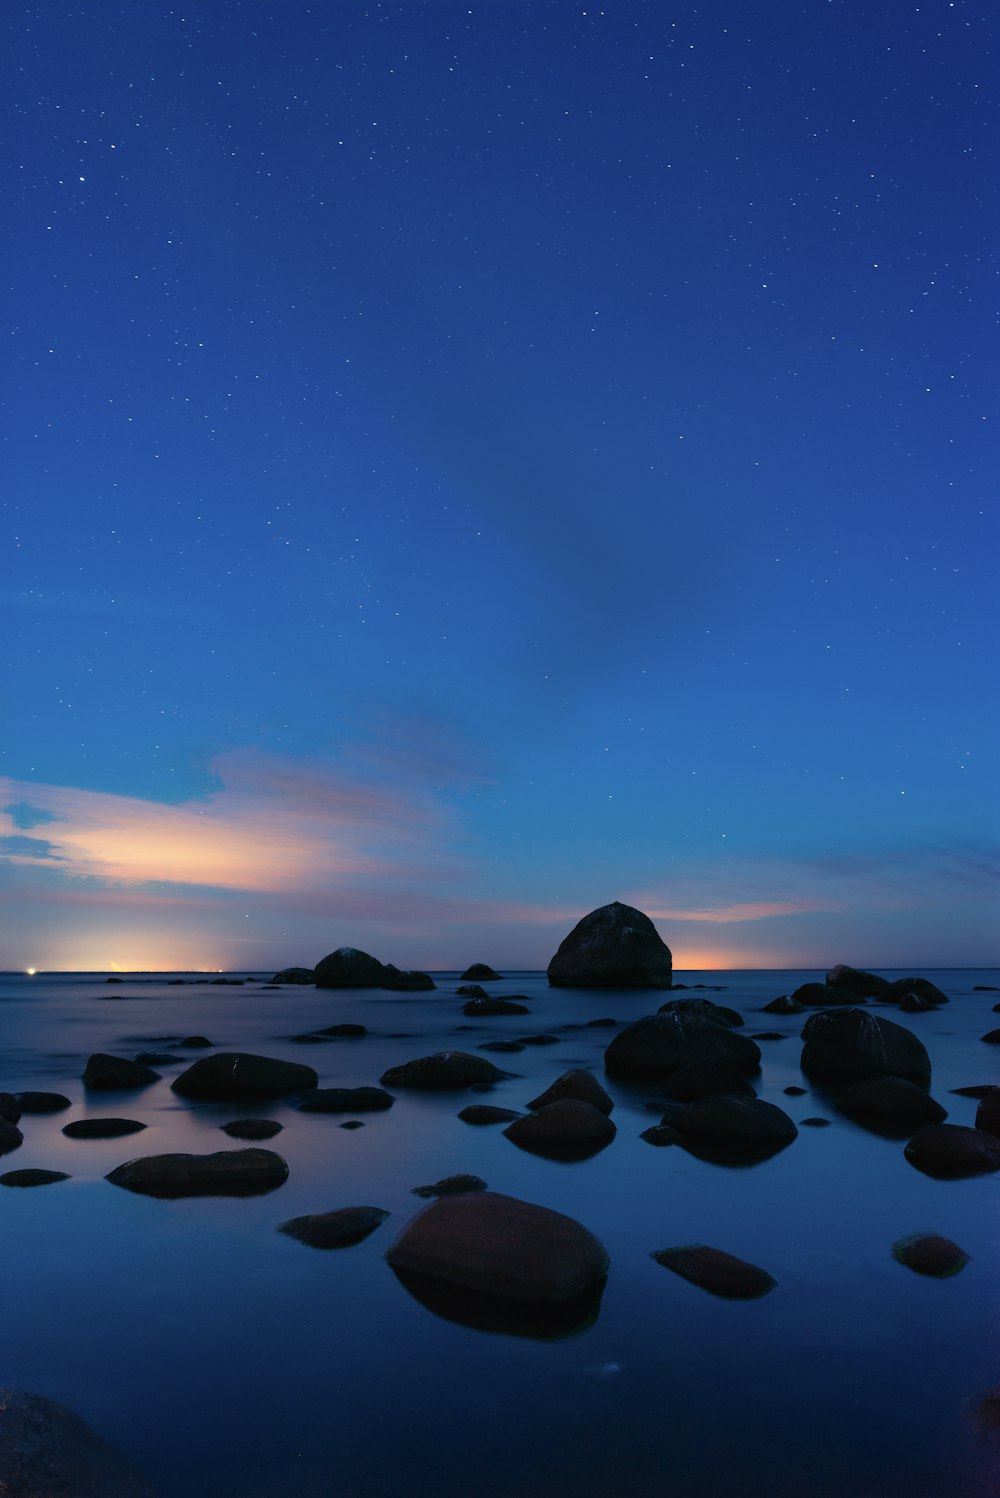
x,y
230,1361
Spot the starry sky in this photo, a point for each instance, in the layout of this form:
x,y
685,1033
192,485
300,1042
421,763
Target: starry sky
x,y
466,463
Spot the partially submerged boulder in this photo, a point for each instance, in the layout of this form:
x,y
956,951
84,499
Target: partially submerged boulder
x,y
718,1272
301,975
567,1130
444,1071
660,1044
485,1113
10,1108
117,1072
722,1015
343,1100
922,987
578,1084
823,995
239,1074
42,1102
408,982
348,967
854,1043
252,1128
480,972
891,1105
864,985
988,1112
451,1186
615,946
249,1172
32,1177
339,1229
46,1451
732,1130
11,1139
950,1151
929,1253
485,1008
786,1003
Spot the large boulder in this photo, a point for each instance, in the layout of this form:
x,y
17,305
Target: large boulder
x,y
615,946
303,975
249,1172
347,967
505,1259
487,1007
48,1452
230,1075
732,1130
578,1084
856,1044
823,995
660,1044
891,1106
922,987
444,1071
707,1079
567,1130
411,981
865,985
949,1151
117,1073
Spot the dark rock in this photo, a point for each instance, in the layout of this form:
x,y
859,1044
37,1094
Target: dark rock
x,y
604,1024
822,996
344,1032
661,1044
660,1134
795,1091
497,1246
707,1079
176,983
988,1112
488,1006
351,1123
42,1102
471,991
577,1084
444,1070
310,1038
452,1186
861,984
912,1003
983,1089
928,1253
922,987
238,1074
501,1045
485,1113
347,967
48,1452
891,1105
988,1411
116,1072
295,975
252,1128
615,946
814,1123
731,1130
196,1042
343,1100
705,1007
10,1108
11,1139
480,972
992,1037
227,982
949,1151
719,1273
102,1128
786,1004
568,1130
539,1040
32,1178
768,1035
114,980
339,1229
248,1172
855,1044
985,988
409,982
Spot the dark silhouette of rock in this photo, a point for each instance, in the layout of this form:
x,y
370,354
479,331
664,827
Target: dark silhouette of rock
x,y
823,996
114,980
606,1023
768,1035
707,1079
912,1003
484,1113
814,1123
445,1070
981,1090
344,1032
719,1273
102,1128
794,1091
992,1037
538,1040
11,1137
853,1043
661,1044
302,975
930,1254
891,1105
922,987
157,1058
731,1130
408,982
32,1177
117,1073
486,1007
48,1452
502,1045
252,1128
471,991
343,1100
786,1004
988,1112
42,1102
451,1186
615,946
196,1042
861,984
568,1130
577,1084
949,1151
705,1007
339,1229
480,972
249,1172
238,1074
660,1134
985,988
348,967
10,1108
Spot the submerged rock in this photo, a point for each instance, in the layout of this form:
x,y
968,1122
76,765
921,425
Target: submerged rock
x,y
238,1074
348,967
486,1007
615,946
46,1451
445,1070
950,1151
116,1072
578,1084
661,1044
853,1043
246,1172
930,1254
343,1100
567,1130
339,1229
718,1272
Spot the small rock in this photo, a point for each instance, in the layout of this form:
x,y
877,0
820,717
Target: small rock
x,y
32,1177
578,1084
445,1070
783,1005
102,1128
480,972
471,991
992,1037
988,1112
116,1072
567,1130
343,1100
409,982
485,1113
351,1123
42,1102
344,1032
539,1040
795,1091
660,1134
719,1273
950,1151
930,1254
501,1045
814,1123
11,1139
483,1008
769,1035
451,1186
252,1128
339,1229
195,1042
295,975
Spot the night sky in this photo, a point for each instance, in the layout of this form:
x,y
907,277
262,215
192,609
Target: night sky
x,y
464,464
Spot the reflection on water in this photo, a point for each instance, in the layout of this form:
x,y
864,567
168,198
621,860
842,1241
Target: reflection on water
x,y
228,1361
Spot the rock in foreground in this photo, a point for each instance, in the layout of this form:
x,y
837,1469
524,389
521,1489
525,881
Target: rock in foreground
x,y
853,1043
950,1151
249,1172
732,1130
718,1272
660,1044
578,1084
929,1253
48,1452
238,1074
891,1105
566,1130
615,946
443,1071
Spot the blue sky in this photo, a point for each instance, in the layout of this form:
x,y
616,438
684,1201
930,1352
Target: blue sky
x,y
468,463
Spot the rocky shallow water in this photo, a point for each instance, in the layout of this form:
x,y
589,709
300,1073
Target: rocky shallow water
x,y
229,1359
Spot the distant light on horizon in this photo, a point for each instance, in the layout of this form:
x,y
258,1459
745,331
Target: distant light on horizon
x,y
31,971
